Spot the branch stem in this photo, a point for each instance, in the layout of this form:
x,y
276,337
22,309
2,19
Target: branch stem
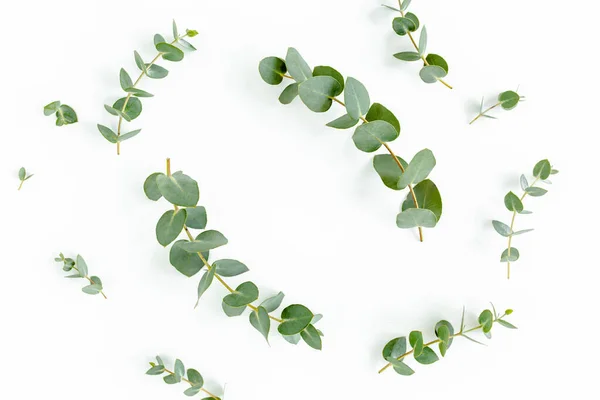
x,y
21,184
481,114
90,280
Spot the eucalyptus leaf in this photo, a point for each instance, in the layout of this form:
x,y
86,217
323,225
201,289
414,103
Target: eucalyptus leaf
x,y
509,99
125,80
132,109
356,98
423,42
535,191
322,70
513,203
296,318
513,256
428,197
156,71
542,169
170,52
170,225
229,268
432,73
343,122
196,217
289,93
317,93
486,320
232,311
179,189
426,357
205,283
272,69
205,241
189,264
415,338
394,348
435,59
370,136
388,170
297,67
272,303
502,228
243,295
408,56
403,25
260,320
311,336
108,133
418,169
378,112
416,217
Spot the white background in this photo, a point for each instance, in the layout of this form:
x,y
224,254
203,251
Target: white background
x,y
300,205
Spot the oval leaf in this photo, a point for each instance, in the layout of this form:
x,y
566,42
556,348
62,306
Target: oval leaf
x,y
296,318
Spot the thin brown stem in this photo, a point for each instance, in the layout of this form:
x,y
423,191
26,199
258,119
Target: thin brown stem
x,y
192,384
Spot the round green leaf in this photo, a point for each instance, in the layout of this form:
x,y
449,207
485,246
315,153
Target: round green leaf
x,y
542,169
195,377
170,52
370,136
332,72
187,263
228,268
513,256
243,295
388,170
296,318
428,356
377,112
356,98
428,196
408,56
312,338
205,241
486,320
297,67
133,109
434,59
403,25
151,188
432,73
502,228
108,134
65,115
196,217
232,311
512,202
271,70
317,92
403,369
51,108
418,169
414,217
125,79
22,173
509,99
289,93
394,348
260,320
156,71
415,338
414,19
179,189
170,225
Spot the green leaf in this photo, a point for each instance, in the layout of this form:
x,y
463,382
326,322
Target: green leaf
x,y
343,122
205,241
158,38
189,264
356,98
428,196
394,348
139,61
418,169
192,390
170,225
232,311
414,19
486,320
125,80
128,135
512,202
260,320
272,69
423,42
195,377
156,71
82,266
428,356
170,379
179,370
186,44
388,169
132,110
513,256
156,370
502,228
51,108
370,136
316,93
205,283
243,295
554,172
506,324
229,268
139,92
391,8
65,115
444,330
312,338
296,318
297,67
170,52
415,338
524,183
108,134
404,5
377,112
403,25
522,232
415,217
293,339
272,303
408,56
332,72
196,217
289,93
150,187
509,99
191,33
403,369
92,289
175,31
22,175
434,59
542,169
96,281
432,73
179,189
536,191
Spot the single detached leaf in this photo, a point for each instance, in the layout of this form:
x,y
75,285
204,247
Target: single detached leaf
x,y
272,303
370,137
125,80
196,217
428,356
205,241
316,93
179,189
229,268
151,188
232,311
418,169
332,72
513,203
260,320
312,338
542,169
394,348
524,183
243,295
403,25
156,71
170,52
377,112
415,338
189,264
343,122
108,133
51,108
289,93
509,99
298,68
169,226
509,256
536,191
132,110
428,196
415,217
432,73
205,283
423,41
272,69
434,59
356,98
502,228
408,56
296,318
388,170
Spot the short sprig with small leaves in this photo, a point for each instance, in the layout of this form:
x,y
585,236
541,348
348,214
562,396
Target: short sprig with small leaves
x,y
190,255
23,176
395,351
541,172
194,378
507,100
65,115
129,107
80,266
434,66
318,89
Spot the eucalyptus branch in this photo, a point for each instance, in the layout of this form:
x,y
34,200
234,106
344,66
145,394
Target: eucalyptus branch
x,y
23,176
194,378
129,107
541,172
395,351
191,255
318,89
434,66
79,265
65,115
507,100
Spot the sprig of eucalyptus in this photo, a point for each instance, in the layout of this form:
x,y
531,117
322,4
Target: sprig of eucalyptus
x,y
395,351
80,266
194,378
65,115
541,172
319,88
191,255
23,177
434,66
129,107
507,100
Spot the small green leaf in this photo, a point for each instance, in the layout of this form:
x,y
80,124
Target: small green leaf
x,y
434,59
432,73
272,69
150,187
524,183
343,122
170,379
502,228
272,303
23,175
293,339
536,191
316,93
205,283
243,295
51,108
428,197
289,93
513,203
408,56
92,289
65,115
179,370
542,169
312,338
156,71
232,311
428,356
377,112
418,169
139,61
513,256
139,92
170,225
170,52
486,320
444,331
506,324
403,25
186,44
554,172
108,134
229,268
132,110
297,67
260,320
125,80
414,19
394,348
192,390
195,377
356,98
158,38
196,217
521,232
179,189
403,369
509,99
205,241
332,72
404,5
415,217
423,42
415,338
296,318
388,169
175,31
128,135
82,266
189,264
156,370
370,136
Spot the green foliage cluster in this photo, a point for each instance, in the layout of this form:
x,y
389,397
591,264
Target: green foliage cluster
x,y
395,351
65,115
541,172
194,378
190,255
507,100
129,107
80,266
318,89
434,66
23,176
